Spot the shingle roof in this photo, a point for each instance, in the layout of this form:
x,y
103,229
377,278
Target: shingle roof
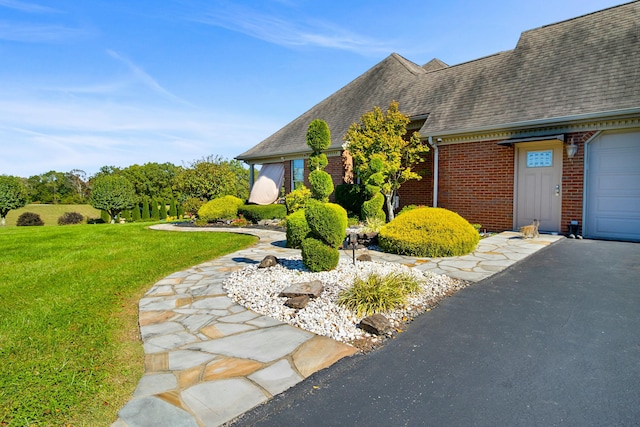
x,y
585,65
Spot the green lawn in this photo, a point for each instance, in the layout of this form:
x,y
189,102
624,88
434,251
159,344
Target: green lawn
x,y
50,213
70,351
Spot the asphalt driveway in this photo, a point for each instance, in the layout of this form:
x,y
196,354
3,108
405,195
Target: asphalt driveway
x,y
553,340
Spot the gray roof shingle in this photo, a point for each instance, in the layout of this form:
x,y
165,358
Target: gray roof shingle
x,y
585,65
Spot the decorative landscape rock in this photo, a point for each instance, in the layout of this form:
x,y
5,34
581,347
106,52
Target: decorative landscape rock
x,y
312,289
298,302
376,324
364,257
268,261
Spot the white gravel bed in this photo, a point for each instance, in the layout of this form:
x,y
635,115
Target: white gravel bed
x,y
258,290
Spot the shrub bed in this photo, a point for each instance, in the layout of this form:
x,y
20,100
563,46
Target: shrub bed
x,y
429,232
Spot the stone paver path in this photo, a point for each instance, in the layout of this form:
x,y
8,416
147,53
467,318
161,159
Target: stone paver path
x,y
208,359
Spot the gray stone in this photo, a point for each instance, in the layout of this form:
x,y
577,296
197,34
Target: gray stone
x,y
216,402
277,377
151,411
268,261
298,302
376,324
313,289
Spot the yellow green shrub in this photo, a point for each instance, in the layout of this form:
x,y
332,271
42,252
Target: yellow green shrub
x,y
225,207
429,232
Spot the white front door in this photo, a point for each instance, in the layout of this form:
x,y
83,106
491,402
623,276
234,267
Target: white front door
x,y
539,185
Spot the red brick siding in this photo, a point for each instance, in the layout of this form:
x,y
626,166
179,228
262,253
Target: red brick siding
x,y
419,192
573,181
476,181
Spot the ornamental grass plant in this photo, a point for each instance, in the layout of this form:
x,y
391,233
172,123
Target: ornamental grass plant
x,y
378,293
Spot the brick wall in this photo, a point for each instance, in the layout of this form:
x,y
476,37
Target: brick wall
x,y
419,192
573,181
476,181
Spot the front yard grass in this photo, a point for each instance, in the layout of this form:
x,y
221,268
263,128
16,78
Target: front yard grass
x,y
70,351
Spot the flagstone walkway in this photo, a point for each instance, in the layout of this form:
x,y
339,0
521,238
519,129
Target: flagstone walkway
x,y
209,360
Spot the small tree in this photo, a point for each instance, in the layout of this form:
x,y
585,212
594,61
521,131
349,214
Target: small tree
x,y
13,195
135,214
382,153
112,194
173,211
145,215
155,213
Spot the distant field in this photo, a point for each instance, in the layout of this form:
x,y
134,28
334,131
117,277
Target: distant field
x,y
51,213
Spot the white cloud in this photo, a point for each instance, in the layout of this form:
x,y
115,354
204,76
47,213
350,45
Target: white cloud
x,y
35,33
288,32
27,7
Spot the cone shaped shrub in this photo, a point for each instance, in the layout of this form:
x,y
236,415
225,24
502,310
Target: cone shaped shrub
x,y
145,214
135,214
429,232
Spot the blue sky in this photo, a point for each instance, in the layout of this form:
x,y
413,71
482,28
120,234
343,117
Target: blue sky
x,y
86,84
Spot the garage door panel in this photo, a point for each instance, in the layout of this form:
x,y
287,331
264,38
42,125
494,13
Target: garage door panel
x,y
618,227
608,206
613,187
620,183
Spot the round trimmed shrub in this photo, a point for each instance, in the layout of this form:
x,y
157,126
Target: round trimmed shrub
x,y
225,207
317,256
429,232
372,208
327,222
321,185
297,229
70,218
28,219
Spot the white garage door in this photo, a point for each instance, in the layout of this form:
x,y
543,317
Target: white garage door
x,y
613,187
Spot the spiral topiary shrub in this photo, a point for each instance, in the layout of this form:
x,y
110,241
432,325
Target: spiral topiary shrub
x,y
225,207
256,213
70,218
372,208
297,229
29,219
429,232
321,185
327,222
317,256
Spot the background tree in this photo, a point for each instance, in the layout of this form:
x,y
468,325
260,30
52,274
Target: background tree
x,y
384,155
213,177
13,195
112,194
153,180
